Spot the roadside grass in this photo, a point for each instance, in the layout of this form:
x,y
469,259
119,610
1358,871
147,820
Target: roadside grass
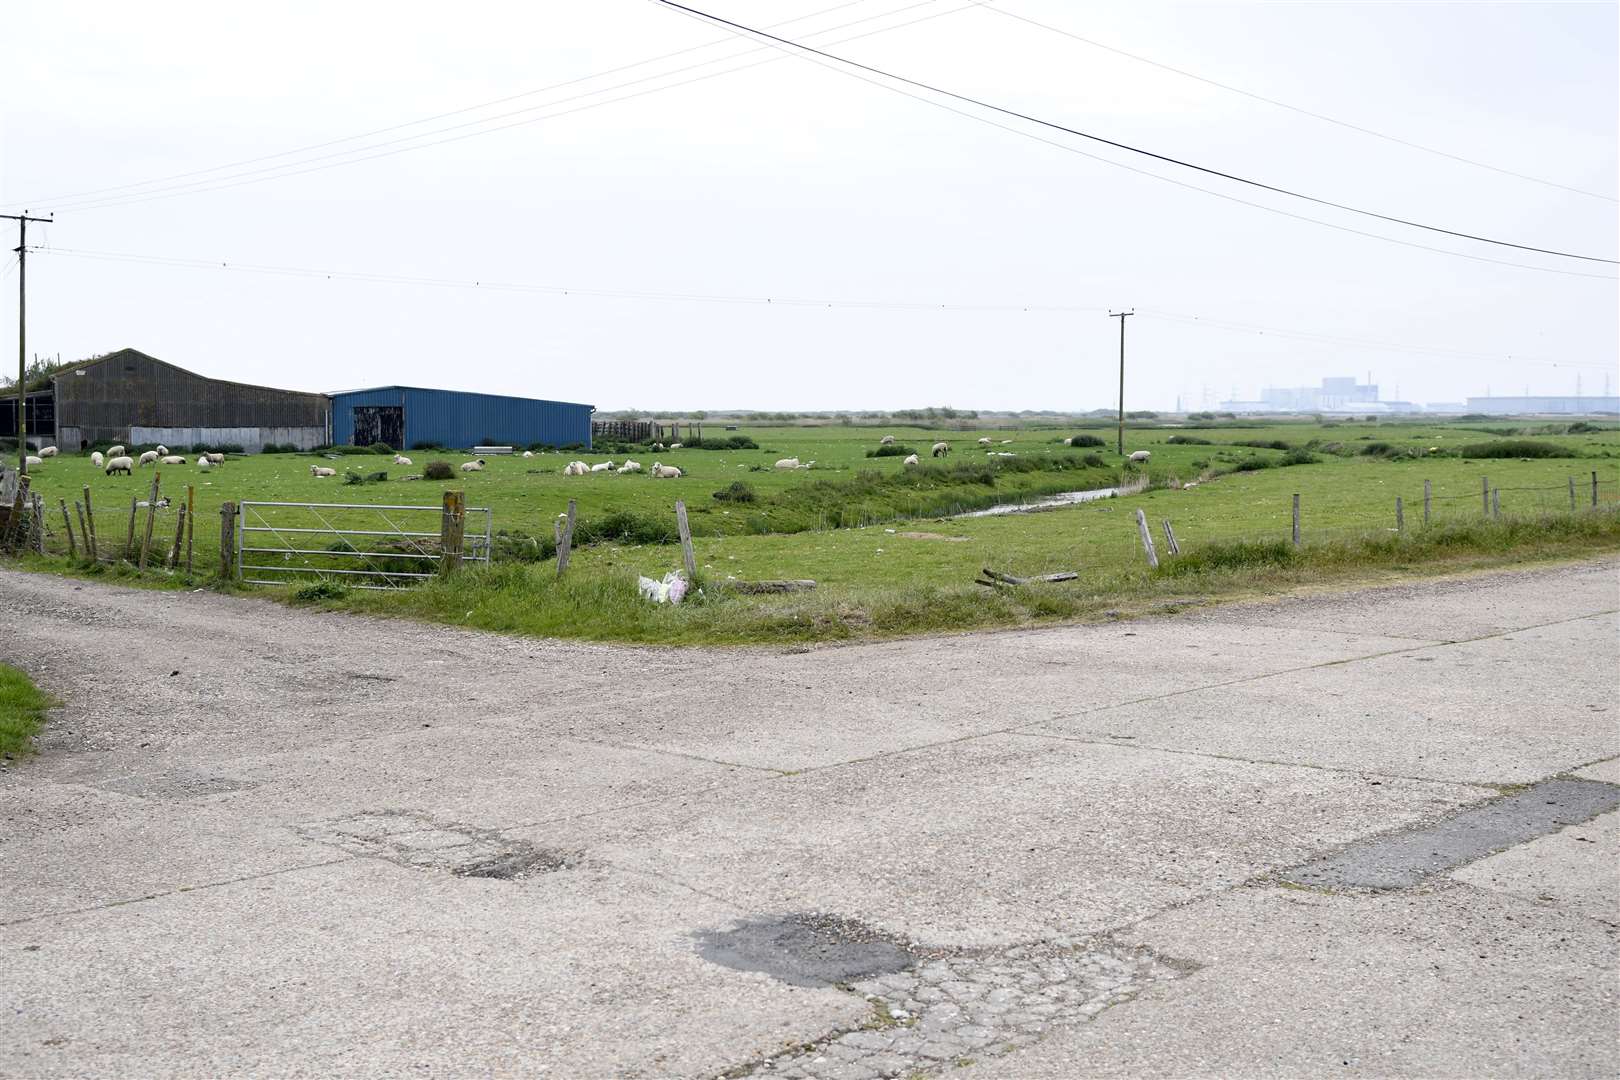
x,y
22,712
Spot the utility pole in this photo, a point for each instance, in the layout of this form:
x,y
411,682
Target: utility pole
x,y
1121,316
22,221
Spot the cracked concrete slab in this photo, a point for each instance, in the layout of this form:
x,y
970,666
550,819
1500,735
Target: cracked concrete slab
x,y
1577,867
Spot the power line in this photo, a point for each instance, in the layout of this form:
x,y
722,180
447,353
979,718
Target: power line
x,y
743,29
767,300
989,5
278,172
76,195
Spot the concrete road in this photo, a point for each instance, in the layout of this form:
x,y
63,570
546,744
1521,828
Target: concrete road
x,y
1315,835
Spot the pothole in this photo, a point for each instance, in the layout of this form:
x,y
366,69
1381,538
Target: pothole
x,y
172,785
931,1008
418,841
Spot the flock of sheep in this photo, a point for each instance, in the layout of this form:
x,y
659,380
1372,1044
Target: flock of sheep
x,y
115,460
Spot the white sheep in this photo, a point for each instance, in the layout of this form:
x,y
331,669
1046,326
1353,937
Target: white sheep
x,y
630,467
602,466
1140,457
887,440
115,451
528,453
984,442
576,468
657,446
171,459
401,459
321,470
204,464
941,449
47,451
163,451
1004,442
676,445
119,464
911,459
96,459
1069,441
31,460
788,463
148,457
1000,453
665,472
215,459
476,465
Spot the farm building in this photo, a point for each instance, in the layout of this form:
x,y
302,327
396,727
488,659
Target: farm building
x,y
405,416
129,397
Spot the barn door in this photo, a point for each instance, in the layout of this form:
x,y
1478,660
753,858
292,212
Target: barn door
x,y
379,424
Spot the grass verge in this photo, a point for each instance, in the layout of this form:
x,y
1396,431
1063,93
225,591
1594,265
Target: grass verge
x,y
22,712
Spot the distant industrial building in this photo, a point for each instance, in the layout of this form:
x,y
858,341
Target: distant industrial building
x,y
130,397
1336,394
1573,405
405,416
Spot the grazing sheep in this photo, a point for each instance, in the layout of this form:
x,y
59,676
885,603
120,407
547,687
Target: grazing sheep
x,y
215,459
162,451
96,459
321,470
115,451
910,460
1140,457
630,467
47,451
887,440
1069,441
31,460
476,465
528,453
788,463
401,459
148,457
665,472
984,442
204,464
602,466
119,464
941,449
676,445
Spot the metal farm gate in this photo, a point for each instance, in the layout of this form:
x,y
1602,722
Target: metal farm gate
x,y
358,545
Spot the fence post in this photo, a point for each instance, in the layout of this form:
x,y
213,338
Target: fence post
x,y
1594,487
566,547
67,526
13,533
179,534
686,540
90,526
1170,538
1400,515
1147,539
1428,492
151,517
191,524
1572,493
39,523
452,529
129,537
227,538
1496,503
84,533
1485,496
1296,520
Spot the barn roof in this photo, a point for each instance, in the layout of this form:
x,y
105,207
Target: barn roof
x,y
129,353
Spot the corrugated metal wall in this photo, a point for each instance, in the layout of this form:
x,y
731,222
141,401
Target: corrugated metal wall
x,y
458,419
250,439
128,389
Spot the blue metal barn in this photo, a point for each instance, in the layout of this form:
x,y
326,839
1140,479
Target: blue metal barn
x,y
403,416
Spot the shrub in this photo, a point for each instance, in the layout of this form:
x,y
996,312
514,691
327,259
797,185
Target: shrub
x,y
1516,448
510,546
320,590
734,442
433,446
1141,414
439,470
1093,461
1188,440
1265,444
1254,464
892,450
1582,427
1298,456
738,492
380,448
1086,440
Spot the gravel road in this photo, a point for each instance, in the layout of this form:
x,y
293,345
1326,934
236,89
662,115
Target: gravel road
x,y
263,840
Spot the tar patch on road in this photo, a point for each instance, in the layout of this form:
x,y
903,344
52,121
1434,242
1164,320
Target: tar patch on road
x,y
1402,860
172,785
805,950
418,841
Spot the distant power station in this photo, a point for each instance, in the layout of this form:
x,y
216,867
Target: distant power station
x,y
1344,395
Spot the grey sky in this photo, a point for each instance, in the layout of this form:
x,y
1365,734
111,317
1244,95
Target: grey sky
x,y
790,180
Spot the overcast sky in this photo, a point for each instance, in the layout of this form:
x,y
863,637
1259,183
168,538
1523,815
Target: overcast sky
x,y
790,180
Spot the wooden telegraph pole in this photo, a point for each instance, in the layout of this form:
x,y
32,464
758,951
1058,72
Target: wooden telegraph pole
x,y
1121,316
22,221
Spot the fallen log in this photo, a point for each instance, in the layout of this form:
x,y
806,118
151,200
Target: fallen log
x,y
997,578
770,586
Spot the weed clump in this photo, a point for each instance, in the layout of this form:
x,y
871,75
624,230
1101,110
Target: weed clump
x,y
1188,440
1515,448
738,491
438,470
317,591
1086,440
892,450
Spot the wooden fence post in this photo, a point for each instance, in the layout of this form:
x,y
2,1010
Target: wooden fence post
x,y
452,529
1485,496
90,525
191,524
1496,503
685,530
67,526
567,544
1296,520
227,538
1572,493
39,523
129,537
1147,539
179,535
1400,515
84,533
1594,487
1170,539
151,517
14,534
1428,493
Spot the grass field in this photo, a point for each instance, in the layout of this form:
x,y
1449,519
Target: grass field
x,y
22,712
876,536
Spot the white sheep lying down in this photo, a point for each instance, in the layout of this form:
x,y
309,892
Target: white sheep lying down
x,y
630,467
665,472
1140,456
204,463
984,442
887,440
171,459
401,459
788,463
602,466
576,468
321,470
47,451
476,465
